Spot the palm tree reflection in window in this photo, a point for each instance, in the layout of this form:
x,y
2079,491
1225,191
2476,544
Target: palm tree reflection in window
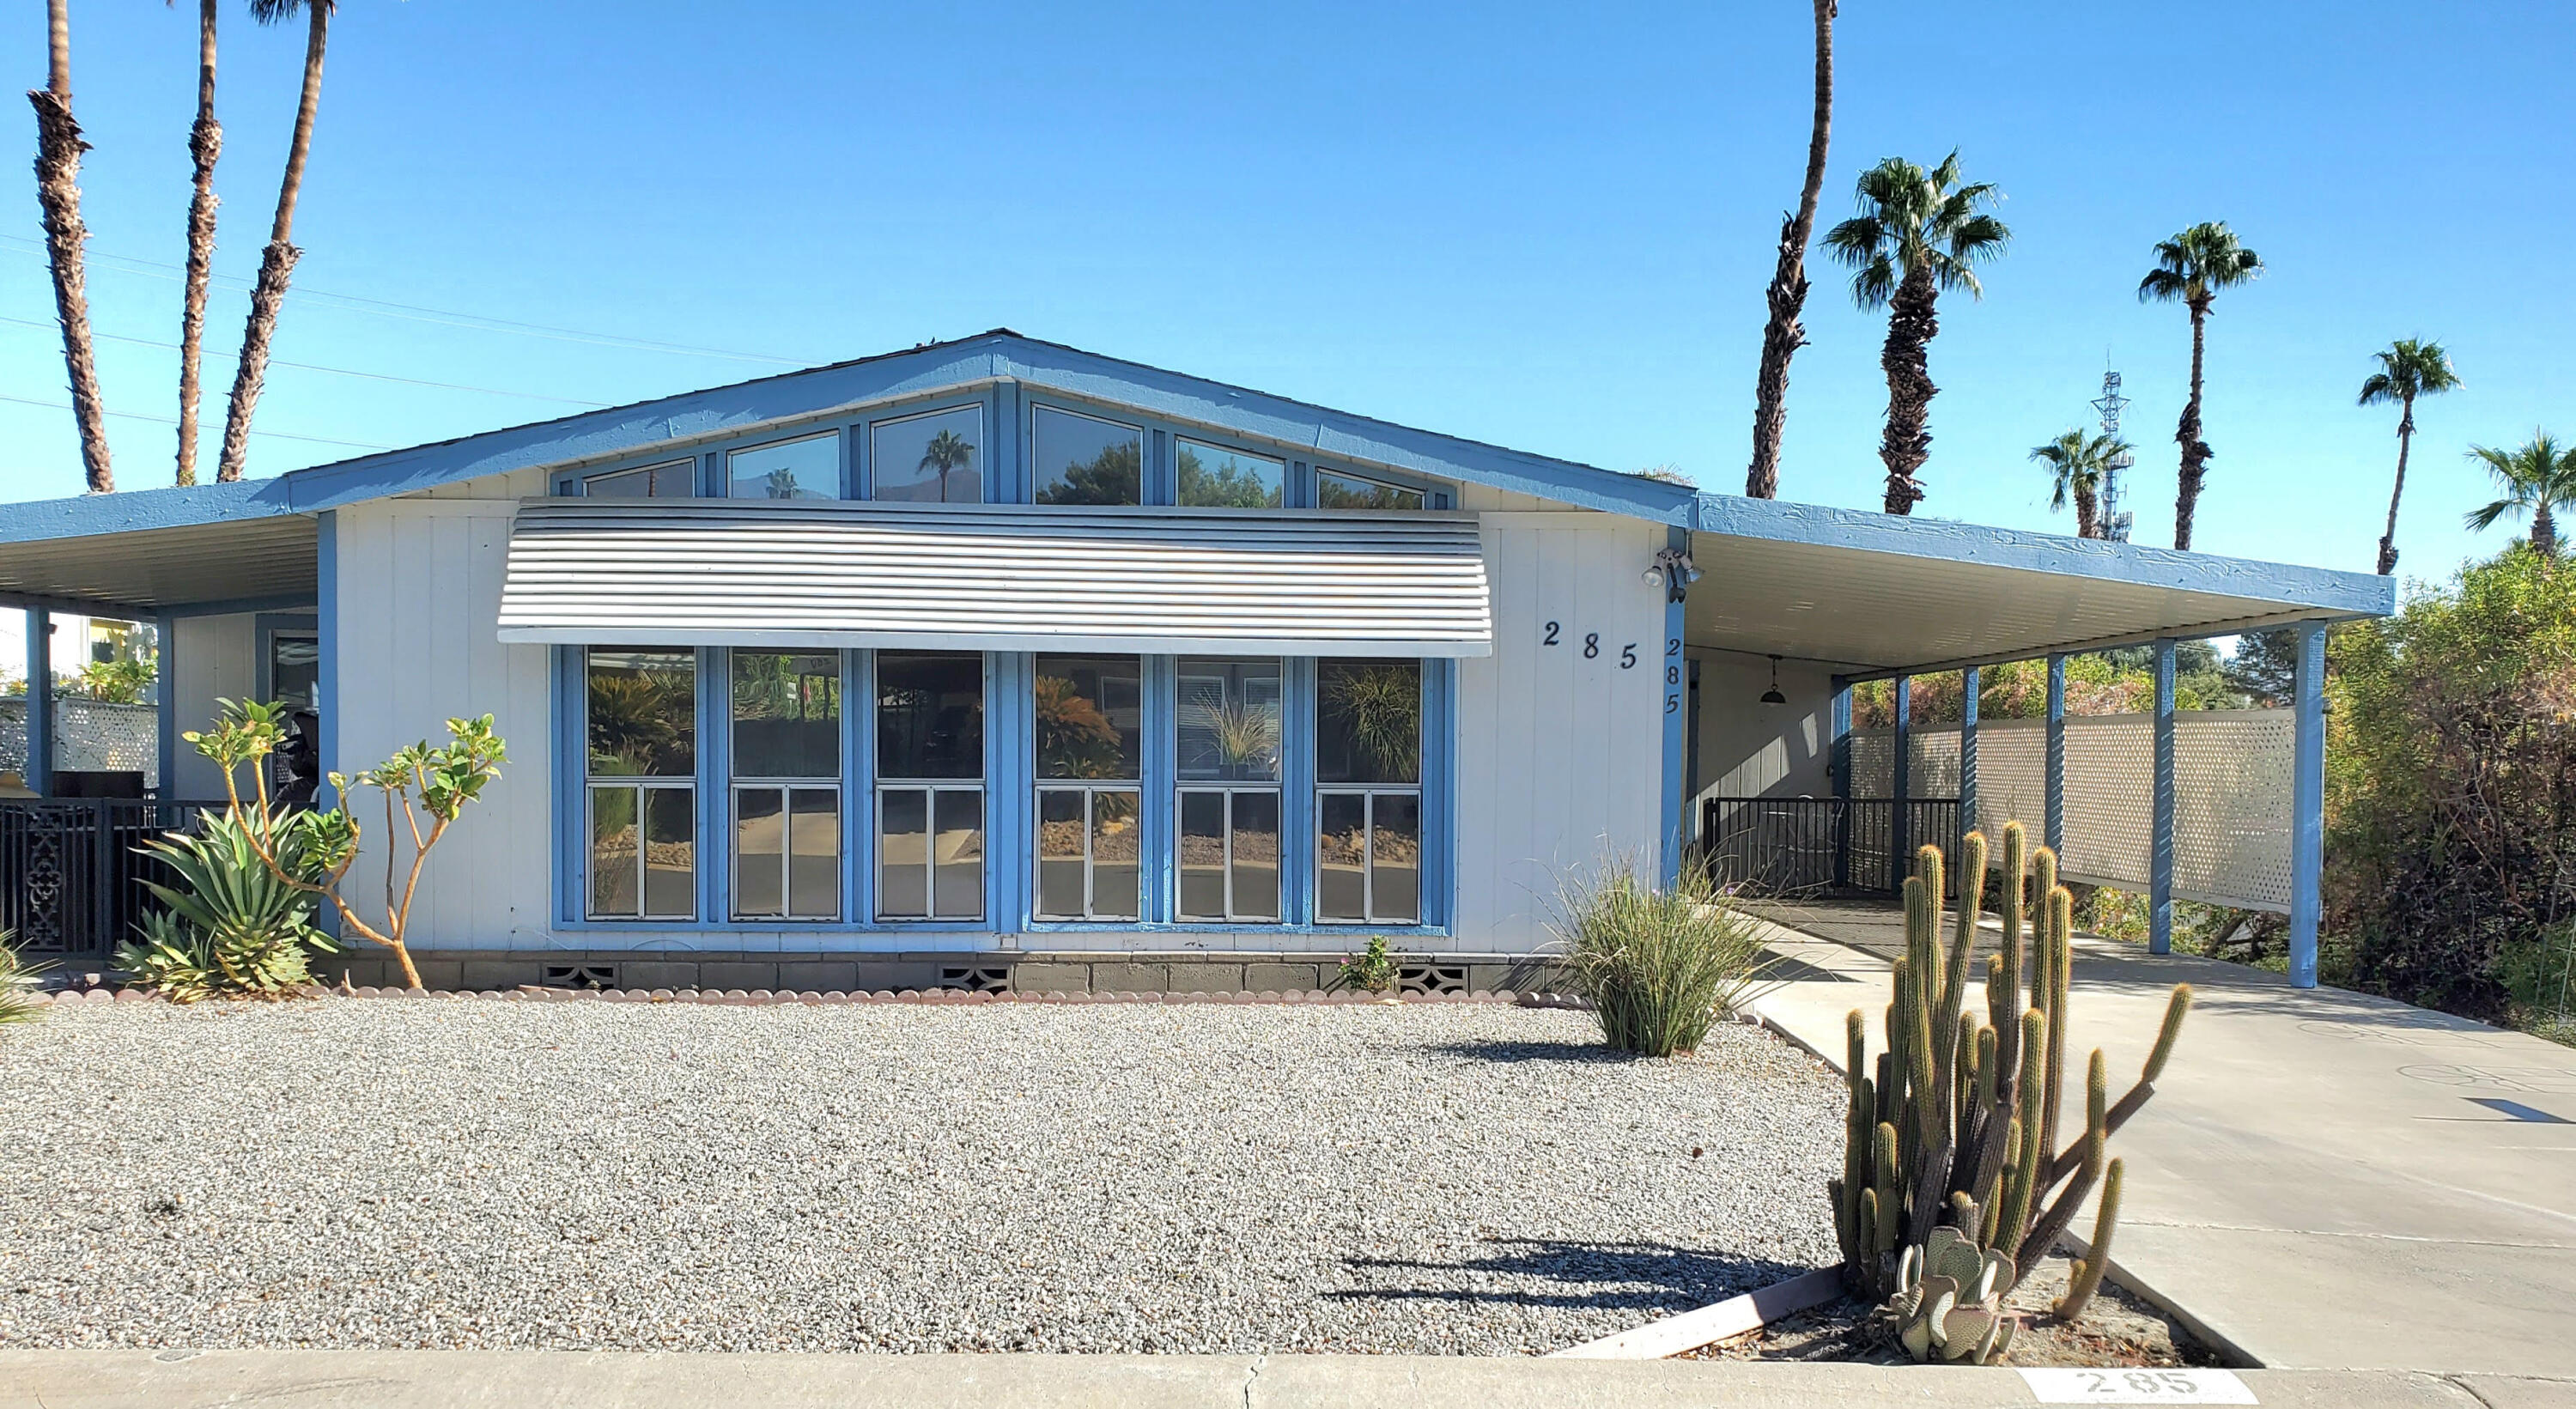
x,y
947,451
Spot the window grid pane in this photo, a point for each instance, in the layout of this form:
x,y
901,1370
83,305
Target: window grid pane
x,y
930,852
1078,459
1368,856
796,469
934,458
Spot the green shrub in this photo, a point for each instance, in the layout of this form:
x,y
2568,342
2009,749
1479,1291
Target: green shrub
x,y
1373,971
1658,962
2451,794
17,1005
233,926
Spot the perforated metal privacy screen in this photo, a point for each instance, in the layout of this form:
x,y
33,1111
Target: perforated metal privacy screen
x,y
2231,795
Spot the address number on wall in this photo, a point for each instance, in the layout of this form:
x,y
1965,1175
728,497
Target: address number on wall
x,y
1554,633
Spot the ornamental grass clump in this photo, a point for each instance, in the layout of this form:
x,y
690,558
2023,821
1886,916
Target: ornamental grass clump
x,y
17,1003
1659,963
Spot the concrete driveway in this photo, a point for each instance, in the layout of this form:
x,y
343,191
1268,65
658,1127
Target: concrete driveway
x,y
2324,1179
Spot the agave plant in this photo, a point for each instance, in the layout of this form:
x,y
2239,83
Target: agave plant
x,y
17,1005
232,926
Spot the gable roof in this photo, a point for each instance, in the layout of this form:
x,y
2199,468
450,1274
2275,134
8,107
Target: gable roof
x,y
621,431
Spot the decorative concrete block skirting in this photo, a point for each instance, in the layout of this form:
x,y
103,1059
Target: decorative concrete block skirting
x,y
934,997
987,971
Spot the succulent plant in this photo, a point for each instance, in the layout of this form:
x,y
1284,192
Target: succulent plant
x,y
1951,1133
1950,1301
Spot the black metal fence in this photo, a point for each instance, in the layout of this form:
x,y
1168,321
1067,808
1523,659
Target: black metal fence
x,y
71,869
1784,845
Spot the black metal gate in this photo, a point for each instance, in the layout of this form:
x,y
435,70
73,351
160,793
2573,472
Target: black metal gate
x,y
71,869
1784,845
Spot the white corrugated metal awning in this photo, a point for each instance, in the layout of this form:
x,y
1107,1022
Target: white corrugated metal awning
x,y
995,578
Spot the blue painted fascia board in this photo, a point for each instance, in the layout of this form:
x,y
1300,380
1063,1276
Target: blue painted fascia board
x,y
2320,589
1329,435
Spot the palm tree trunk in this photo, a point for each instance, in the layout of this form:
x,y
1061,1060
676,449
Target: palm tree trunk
x,y
2195,451
2544,529
277,262
58,150
2088,514
1784,335
1912,323
2405,440
205,144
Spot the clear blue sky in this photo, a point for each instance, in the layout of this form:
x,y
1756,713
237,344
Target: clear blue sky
x,y
1535,225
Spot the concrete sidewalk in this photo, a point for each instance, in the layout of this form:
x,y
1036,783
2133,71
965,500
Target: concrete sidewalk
x,y
424,1379
2324,1179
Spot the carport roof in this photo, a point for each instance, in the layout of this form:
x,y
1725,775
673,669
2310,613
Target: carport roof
x,y
1873,594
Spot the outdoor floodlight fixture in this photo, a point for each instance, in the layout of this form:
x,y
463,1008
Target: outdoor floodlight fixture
x,y
1773,696
1674,569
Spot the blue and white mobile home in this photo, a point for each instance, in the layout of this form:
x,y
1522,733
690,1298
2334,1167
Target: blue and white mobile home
x,y
995,661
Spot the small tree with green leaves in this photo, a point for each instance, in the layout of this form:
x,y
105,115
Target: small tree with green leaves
x,y
419,782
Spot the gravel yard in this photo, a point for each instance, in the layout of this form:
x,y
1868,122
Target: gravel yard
x,y
1458,1179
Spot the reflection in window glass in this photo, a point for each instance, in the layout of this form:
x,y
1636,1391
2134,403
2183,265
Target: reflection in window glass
x,y
1368,857
1213,477
643,712
931,459
1335,490
795,469
1090,849
787,853
1368,721
676,480
1078,459
786,714
930,714
1090,716
957,853
670,853
1229,718
1229,854
903,853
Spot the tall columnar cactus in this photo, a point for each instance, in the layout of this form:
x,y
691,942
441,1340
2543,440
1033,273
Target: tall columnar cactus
x,y
1954,1126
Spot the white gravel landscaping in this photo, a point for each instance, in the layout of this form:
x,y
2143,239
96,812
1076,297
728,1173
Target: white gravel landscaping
x,y
1461,1179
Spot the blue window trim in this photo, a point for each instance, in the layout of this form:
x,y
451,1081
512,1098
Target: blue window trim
x,y
1010,801
852,427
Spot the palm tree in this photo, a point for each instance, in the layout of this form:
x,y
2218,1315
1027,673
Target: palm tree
x,y
947,451
2407,370
2078,464
58,150
205,143
2538,479
1783,336
1919,233
2193,266
276,262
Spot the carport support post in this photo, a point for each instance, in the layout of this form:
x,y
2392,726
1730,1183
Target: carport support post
x,y
2052,828
1900,836
1841,765
40,702
1967,751
2307,800
2160,864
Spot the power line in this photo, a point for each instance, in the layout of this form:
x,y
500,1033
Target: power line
x,y
172,421
417,313
335,371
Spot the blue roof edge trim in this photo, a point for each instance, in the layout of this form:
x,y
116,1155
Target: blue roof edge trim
x,y
2321,589
817,391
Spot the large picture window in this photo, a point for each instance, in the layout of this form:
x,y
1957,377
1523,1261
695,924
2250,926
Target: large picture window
x,y
791,469
676,479
930,789
1338,489
640,727
786,785
1078,459
934,458
1228,839
1368,791
1213,477
1090,719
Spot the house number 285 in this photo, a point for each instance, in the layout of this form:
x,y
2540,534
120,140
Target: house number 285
x,y
1591,645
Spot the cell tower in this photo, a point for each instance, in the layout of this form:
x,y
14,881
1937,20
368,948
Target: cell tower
x,y
2115,520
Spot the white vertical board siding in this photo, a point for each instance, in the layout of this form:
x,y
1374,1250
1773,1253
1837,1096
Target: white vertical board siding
x,y
419,588
215,658
1560,759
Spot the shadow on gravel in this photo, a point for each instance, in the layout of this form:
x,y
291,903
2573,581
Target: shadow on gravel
x,y
1592,1053
1649,1277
